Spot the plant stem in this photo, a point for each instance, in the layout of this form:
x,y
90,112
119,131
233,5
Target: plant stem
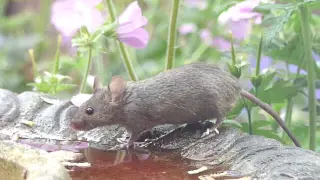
x,y
34,64
100,68
233,52
3,5
249,118
127,61
288,114
256,85
198,52
307,42
84,80
112,10
57,56
56,64
259,57
121,46
172,34
289,108
45,16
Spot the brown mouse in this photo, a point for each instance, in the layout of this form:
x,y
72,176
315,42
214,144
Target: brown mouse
x,y
187,94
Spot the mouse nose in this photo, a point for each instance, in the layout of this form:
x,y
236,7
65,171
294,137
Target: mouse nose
x,y
77,125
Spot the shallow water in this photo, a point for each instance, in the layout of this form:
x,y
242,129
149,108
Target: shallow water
x,y
138,165
118,165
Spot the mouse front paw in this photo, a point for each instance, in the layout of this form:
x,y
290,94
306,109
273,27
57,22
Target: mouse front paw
x,y
122,140
209,131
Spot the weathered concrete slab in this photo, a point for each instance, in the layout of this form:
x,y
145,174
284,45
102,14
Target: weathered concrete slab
x,y
19,161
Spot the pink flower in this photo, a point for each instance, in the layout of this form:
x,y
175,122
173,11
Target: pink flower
x,y
187,28
206,36
221,44
200,4
69,15
130,29
217,42
238,18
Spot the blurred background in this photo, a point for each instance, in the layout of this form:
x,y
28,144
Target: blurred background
x,y
204,28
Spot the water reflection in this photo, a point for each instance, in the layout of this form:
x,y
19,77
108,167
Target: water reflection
x,y
137,164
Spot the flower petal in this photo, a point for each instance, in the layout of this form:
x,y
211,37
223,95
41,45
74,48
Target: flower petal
x,y
131,26
138,38
130,13
240,29
200,4
318,94
206,36
265,62
221,44
69,15
187,28
316,56
131,19
242,10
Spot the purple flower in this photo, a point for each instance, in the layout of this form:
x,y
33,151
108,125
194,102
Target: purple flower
x,y
318,94
218,42
68,16
292,68
316,56
130,29
200,4
265,62
187,28
238,18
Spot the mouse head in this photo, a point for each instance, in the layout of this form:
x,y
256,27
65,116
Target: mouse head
x,y
103,107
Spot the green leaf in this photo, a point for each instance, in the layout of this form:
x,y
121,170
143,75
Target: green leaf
x,y
262,132
225,6
277,25
306,109
232,123
302,82
300,130
242,64
309,2
236,110
84,31
16,21
62,87
291,52
278,92
265,7
267,76
261,123
42,87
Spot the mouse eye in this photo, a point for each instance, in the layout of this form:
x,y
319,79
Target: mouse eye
x,y
89,111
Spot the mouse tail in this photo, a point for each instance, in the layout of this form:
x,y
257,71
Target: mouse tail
x,y
270,111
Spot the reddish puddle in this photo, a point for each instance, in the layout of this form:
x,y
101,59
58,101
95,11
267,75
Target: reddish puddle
x,y
103,167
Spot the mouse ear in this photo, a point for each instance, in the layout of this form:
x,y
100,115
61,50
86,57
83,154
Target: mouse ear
x,y
96,84
117,87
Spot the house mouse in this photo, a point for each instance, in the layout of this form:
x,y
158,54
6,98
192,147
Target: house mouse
x,y
187,94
